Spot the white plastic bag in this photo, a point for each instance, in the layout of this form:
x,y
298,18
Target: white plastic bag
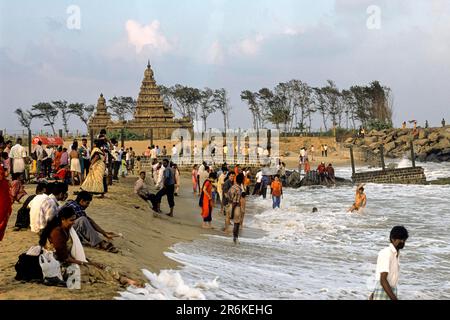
x,y
74,279
51,267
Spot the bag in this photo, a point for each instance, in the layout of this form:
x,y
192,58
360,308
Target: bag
x,y
51,267
74,276
28,268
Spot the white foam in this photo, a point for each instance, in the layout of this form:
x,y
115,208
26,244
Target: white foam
x,y
168,285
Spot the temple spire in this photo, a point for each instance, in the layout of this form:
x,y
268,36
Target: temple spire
x,y
148,64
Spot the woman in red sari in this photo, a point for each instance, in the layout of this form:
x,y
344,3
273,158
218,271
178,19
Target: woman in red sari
x,y
207,203
5,202
17,190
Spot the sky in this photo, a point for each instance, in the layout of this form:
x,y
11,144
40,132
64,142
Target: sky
x,y
75,50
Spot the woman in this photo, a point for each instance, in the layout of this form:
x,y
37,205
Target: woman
x,y
195,179
17,190
5,202
60,237
207,203
75,166
57,161
177,179
94,180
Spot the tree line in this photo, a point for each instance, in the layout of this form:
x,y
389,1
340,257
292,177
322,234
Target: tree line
x,y
293,104
290,104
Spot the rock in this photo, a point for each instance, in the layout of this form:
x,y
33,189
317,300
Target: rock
x,y
421,156
359,142
388,139
402,132
389,146
433,137
370,140
349,141
421,142
423,134
403,139
432,157
294,180
374,145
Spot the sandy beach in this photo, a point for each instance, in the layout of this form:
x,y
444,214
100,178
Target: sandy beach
x,y
144,241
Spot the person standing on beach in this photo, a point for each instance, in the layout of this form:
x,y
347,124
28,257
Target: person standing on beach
x,y
360,199
95,181
234,195
388,267
168,187
277,192
325,149
17,156
207,201
322,150
194,175
312,152
443,122
226,203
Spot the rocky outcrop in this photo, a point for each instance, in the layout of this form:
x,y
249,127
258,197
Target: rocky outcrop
x,y
432,144
294,180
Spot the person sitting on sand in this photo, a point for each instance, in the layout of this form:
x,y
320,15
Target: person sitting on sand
x,y
142,190
86,228
23,214
360,199
57,234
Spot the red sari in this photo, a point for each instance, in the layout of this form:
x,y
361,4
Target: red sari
x,y
207,203
5,202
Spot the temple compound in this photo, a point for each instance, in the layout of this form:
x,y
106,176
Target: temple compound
x,y
152,118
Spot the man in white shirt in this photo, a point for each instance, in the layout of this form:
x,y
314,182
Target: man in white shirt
x,y
86,156
48,206
142,190
153,154
174,151
17,156
388,266
257,189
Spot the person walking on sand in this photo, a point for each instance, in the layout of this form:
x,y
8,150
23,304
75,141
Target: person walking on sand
x,y
360,199
75,166
94,182
194,175
325,149
388,267
234,195
277,192
311,151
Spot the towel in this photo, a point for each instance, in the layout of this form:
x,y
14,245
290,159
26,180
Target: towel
x,y
77,248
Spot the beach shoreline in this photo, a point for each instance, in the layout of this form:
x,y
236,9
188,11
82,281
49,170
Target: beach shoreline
x,y
144,242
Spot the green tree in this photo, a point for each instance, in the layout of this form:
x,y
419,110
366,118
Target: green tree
x,y
63,108
221,102
250,98
82,111
207,105
25,118
122,106
47,112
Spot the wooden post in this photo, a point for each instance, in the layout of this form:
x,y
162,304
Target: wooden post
x,y
1,132
122,138
413,157
60,133
29,142
382,157
352,160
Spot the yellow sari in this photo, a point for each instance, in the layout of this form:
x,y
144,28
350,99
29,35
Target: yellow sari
x,y
94,180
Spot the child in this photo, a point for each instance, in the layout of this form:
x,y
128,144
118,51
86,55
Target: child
x,y
277,191
138,165
17,190
123,168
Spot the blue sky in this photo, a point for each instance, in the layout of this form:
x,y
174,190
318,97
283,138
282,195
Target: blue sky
x,y
234,44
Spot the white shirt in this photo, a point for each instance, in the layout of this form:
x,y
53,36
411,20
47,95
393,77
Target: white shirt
x,y
18,153
153,153
389,262
302,152
35,209
159,182
47,211
174,151
259,177
39,152
195,151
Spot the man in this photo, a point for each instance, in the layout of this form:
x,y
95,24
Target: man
x,y
17,156
229,182
360,199
277,191
443,122
43,209
168,188
85,157
164,151
142,190
330,173
325,149
321,170
257,189
153,154
234,196
47,161
23,214
87,229
39,152
388,267
174,151
312,152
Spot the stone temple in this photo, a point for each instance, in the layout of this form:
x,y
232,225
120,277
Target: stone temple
x,y
152,118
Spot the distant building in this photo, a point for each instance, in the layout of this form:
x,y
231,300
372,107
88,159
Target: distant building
x,y
152,116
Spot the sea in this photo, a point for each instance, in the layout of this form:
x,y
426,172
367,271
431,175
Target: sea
x,y
292,253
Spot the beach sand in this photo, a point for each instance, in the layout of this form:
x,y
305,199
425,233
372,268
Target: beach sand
x,y
144,240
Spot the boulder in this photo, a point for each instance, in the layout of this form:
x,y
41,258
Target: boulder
x,y
359,142
423,134
370,140
402,132
403,139
389,147
433,137
349,141
294,180
421,156
374,145
421,142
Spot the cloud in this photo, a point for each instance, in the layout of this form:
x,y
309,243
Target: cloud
x,y
248,46
215,53
293,31
147,35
